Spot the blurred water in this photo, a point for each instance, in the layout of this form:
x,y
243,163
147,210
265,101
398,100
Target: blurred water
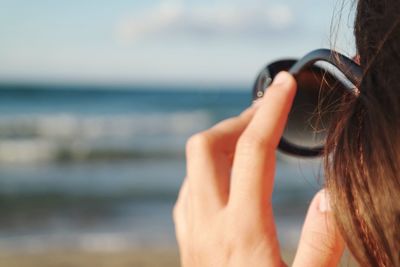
x,y
99,168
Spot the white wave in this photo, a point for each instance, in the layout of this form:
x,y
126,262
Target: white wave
x,y
26,151
89,242
65,126
53,137
104,242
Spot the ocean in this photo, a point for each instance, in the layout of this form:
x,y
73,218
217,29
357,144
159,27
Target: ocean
x,y
98,168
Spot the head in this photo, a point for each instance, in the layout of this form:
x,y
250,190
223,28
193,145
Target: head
x,y
363,147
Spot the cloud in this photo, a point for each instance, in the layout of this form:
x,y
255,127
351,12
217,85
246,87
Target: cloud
x,y
177,19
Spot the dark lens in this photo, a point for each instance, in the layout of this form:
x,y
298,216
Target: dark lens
x,y
317,100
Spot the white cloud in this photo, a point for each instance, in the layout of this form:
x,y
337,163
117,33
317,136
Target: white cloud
x,y
177,19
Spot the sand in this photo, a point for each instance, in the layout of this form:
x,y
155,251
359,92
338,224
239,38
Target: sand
x,y
132,258
139,258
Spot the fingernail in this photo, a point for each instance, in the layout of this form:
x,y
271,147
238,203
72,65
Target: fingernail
x,y
281,78
324,202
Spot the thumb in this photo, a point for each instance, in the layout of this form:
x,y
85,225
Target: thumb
x,y
321,243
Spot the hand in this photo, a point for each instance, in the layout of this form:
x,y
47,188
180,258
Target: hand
x,y
223,215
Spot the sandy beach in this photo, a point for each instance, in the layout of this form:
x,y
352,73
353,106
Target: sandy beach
x,y
138,258
166,257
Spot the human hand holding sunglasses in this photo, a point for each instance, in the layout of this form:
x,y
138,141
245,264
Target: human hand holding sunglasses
x,y
224,214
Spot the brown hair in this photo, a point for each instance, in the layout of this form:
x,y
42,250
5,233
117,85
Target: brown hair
x,y
363,148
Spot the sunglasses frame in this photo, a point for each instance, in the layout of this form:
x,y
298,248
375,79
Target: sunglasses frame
x,y
351,73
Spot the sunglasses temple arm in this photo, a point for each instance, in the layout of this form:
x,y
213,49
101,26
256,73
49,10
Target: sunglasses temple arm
x,y
351,70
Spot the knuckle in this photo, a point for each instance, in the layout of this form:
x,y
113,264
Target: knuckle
x,y
198,142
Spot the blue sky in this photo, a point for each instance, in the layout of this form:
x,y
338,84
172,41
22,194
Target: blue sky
x,y
160,41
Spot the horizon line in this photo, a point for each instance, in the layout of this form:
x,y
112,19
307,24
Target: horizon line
x,y
91,85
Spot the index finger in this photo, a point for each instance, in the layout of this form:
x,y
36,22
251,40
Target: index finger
x,y
254,163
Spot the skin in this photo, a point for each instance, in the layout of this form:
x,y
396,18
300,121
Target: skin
x,y
223,215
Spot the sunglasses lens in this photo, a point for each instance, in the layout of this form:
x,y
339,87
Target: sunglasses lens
x,y
318,98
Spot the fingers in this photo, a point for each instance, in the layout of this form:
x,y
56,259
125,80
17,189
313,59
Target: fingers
x,y
321,243
254,163
209,157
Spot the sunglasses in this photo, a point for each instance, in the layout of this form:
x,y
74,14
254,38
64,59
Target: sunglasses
x,y
323,77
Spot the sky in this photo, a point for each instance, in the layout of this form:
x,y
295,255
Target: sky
x,y
196,42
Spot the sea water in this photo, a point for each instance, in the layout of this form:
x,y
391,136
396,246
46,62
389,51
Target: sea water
x,y
98,168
